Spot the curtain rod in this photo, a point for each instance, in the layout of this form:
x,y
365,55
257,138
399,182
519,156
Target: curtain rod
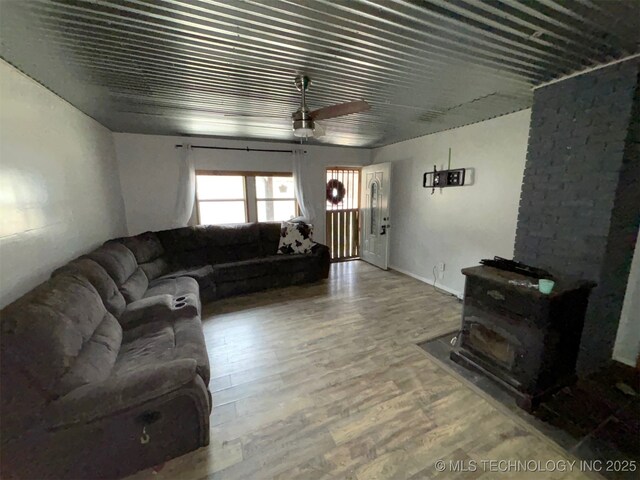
x,y
246,149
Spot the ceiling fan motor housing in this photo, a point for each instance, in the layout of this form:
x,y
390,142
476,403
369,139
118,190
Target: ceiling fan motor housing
x,y
302,123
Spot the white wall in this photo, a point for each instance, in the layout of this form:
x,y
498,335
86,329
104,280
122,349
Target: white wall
x,y
627,346
59,187
149,170
461,225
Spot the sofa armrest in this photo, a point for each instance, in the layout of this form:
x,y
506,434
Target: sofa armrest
x,y
324,254
121,392
159,307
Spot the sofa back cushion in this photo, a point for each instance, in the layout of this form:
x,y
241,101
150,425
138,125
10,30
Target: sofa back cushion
x,y
213,244
54,339
116,259
146,247
269,237
97,357
101,281
185,247
232,243
121,265
156,268
135,286
149,253
181,239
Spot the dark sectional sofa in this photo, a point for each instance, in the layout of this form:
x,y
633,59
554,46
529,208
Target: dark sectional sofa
x,y
104,368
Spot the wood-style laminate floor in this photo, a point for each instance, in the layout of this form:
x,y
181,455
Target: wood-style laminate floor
x,y
326,381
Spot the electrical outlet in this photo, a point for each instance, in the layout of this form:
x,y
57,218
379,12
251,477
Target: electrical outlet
x,y
441,267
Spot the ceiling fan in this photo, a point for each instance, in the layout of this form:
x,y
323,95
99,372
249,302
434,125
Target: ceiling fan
x,y
304,122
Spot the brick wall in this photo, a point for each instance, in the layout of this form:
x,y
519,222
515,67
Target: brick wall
x,y
580,201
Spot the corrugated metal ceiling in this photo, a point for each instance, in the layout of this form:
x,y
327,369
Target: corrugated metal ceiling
x,y
196,67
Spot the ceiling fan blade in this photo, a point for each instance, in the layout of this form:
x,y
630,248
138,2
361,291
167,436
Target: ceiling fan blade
x,y
318,130
340,110
247,115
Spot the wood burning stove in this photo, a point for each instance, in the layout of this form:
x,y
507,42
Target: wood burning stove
x,y
526,340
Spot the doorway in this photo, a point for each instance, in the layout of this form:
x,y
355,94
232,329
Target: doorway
x,y
375,214
343,213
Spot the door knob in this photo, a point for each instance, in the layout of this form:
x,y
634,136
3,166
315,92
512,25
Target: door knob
x,y
383,230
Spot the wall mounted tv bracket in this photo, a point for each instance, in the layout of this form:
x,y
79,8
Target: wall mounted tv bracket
x,y
443,178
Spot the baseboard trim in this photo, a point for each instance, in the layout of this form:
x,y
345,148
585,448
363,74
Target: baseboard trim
x,y
428,281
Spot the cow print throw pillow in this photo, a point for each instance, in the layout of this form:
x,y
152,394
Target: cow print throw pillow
x,y
295,237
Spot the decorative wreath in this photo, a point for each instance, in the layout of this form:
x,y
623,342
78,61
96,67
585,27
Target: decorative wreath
x,y
335,191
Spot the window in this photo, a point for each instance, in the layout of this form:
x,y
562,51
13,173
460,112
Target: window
x,y
275,199
221,199
238,197
373,208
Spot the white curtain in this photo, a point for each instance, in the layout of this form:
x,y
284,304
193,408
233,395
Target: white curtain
x,y
303,186
186,187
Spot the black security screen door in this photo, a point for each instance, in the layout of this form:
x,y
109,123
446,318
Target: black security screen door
x,y
343,212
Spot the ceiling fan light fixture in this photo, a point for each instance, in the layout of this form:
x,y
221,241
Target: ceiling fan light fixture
x,y
303,132
302,124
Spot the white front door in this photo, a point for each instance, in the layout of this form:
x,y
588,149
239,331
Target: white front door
x,y
374,211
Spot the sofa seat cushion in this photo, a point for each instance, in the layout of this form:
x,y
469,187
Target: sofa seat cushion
x,y
198,273
190,258
202,274
161,342
176,287
292,263
233,271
